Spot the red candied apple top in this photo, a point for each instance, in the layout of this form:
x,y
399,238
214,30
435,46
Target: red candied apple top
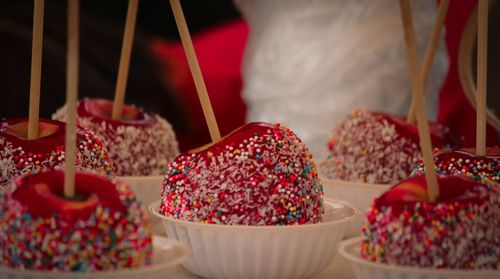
x,y
42,195
100,110
440,135
414,190
235,138
447,154
51,134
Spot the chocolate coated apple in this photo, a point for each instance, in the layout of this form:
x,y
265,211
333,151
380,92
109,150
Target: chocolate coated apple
x,y
260,174
140,143
375,147
459,230
102,228
20,155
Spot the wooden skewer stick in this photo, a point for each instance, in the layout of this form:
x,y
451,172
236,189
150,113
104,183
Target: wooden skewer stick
x,y
430,52
195,70
71,97
482,67
128,41
417,87
36,69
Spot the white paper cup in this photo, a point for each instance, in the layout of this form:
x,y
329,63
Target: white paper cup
x,y
167,255
365,269
147,189
221,251
360,195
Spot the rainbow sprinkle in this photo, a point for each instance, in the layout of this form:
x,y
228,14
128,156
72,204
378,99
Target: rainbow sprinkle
x,y
461,163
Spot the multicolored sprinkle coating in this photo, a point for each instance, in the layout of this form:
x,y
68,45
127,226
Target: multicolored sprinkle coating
x,y
373,147
261,174
465,163
461,230
139,147
18,158
103,239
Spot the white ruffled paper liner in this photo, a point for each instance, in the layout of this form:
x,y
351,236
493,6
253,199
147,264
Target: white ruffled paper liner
x,y
167,255
147,189
221,251
365,269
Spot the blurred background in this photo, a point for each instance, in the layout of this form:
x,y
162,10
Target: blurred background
x,y
160,81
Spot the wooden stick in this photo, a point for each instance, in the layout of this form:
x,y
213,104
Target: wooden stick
x,y
417,87
71,97
36,69
195,70
128,41
430,52
482,67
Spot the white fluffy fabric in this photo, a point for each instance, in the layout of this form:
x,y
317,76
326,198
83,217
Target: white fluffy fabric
x,y
309,63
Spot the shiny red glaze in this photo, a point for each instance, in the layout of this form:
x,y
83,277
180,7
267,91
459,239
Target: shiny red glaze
x,y
414,189
42,195
440,136
43,145
100,110
445,155
234,138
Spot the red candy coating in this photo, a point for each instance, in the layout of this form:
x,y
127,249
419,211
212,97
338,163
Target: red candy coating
x,y
459,230
261,174
19,155
49,187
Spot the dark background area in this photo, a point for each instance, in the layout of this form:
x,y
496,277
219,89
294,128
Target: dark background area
x,y
155,16
101,32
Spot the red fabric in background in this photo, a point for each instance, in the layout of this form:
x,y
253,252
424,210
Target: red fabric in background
x,y
220,54
455,111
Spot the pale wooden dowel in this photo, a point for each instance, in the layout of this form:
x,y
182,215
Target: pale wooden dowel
x,y
36,69
417,87
482,67
128,41
195,70
71,97
430,52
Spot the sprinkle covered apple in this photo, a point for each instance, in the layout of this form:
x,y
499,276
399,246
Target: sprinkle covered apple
x,y
459,230
464,162
260,174
19,155
375,147
102,228
141,144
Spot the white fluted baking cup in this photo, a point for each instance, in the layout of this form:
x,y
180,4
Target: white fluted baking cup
x,y
221,251
147,189
360,195
167,255
365,269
